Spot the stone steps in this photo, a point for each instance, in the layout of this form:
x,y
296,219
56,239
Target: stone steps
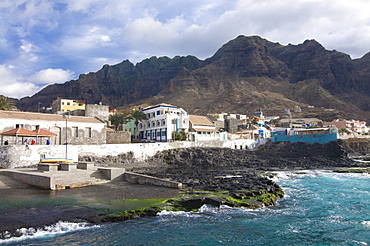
x,y
77,179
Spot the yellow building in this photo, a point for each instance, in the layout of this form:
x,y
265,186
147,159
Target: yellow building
x,y
66,105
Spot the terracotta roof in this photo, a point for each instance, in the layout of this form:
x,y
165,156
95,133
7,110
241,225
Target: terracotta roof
x,y
46,117
200,120
204,130
19,132
44,133
338,124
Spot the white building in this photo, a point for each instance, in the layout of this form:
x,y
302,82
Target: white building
x,y
80,130
163,120
357,126
202,129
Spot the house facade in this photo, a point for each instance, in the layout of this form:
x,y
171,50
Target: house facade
x,y
71,130
163,120
202,129
67,105
357,126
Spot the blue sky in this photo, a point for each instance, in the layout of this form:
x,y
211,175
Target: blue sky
x,y
53,41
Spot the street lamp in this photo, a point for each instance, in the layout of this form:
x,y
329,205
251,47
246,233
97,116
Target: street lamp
x,y
66,116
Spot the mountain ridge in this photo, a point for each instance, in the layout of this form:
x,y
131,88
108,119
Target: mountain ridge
x,y
244,74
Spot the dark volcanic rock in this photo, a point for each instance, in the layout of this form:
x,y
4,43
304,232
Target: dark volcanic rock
x,y
238,171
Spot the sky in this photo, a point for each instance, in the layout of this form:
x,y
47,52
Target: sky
x,y
54,41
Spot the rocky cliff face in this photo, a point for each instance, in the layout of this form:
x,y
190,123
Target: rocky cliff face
x,y
245,73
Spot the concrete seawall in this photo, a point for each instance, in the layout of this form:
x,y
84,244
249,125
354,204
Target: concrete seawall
x,y
44,182
54,180
16,156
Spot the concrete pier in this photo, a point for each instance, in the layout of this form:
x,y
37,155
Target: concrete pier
x,y
71,176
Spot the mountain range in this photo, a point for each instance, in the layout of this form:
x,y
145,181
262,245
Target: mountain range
x,y
246,73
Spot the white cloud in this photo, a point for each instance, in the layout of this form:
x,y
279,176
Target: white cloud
x,y
18,86
15,86
48,76
80,36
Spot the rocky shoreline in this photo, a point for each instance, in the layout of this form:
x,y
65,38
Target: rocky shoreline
x,y
236,177
214,176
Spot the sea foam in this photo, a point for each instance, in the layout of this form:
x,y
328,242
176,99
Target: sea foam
x,y
48,231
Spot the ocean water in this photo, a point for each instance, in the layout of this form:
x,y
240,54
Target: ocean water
x,y
320,208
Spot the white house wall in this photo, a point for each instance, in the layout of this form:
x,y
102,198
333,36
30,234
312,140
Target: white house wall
x,y
98,131
16,156
153,128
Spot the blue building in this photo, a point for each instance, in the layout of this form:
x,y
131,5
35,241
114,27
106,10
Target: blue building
x,y
310,135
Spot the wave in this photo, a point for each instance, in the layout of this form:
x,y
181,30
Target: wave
x,y
57,229
277,176
207,209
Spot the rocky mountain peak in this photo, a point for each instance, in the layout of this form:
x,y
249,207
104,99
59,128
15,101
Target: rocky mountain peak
x,y
244,74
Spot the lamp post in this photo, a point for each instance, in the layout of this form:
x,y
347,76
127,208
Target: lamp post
x,y
66,116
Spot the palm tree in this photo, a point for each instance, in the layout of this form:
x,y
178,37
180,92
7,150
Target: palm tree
x,y
137,115
6,104
118,119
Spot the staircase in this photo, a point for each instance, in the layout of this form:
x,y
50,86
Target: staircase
x,y
77,178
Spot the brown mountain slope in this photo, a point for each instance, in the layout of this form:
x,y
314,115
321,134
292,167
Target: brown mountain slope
x,y
245,73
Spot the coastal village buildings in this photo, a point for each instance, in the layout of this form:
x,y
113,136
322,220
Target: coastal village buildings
x,y
300,122
351,126
70,129
162,121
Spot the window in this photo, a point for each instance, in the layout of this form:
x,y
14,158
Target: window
x,y
158,112
88,132
19,126
158,123
37,127
75,131
163,122
68,103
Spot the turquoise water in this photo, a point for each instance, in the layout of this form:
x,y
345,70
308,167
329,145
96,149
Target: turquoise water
x,y
320,208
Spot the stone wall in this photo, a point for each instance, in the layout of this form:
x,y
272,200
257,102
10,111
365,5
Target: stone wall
x,y
98,111
118,137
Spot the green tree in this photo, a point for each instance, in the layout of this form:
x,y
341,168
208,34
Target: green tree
x,y
179,136
6,104
344,131
118,119
137,115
